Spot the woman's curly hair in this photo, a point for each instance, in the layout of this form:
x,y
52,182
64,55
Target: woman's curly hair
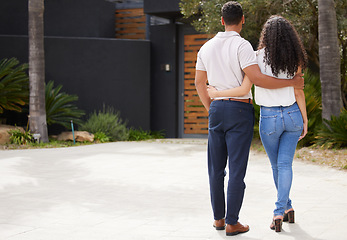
x,y
284,51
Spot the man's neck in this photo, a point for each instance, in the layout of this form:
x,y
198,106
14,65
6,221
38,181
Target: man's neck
x,y
235,28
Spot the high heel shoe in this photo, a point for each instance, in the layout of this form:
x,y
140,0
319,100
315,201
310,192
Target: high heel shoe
x,y
289,216
276,224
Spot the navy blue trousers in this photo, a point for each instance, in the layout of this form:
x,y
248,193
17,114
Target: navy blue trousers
x,y
230,136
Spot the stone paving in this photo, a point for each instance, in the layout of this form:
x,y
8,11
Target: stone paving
x,y
153,190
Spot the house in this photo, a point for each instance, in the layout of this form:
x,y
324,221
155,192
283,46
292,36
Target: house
x,y
134,55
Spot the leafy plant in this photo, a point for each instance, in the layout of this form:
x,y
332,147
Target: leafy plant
x,y
157,134
139,134
109,122
60,108
14,85
333,134
19,137
101,137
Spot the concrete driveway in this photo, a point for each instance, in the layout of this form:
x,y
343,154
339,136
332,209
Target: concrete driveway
x,y
153,190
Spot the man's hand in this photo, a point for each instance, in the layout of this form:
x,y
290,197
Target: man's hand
x,y
298,81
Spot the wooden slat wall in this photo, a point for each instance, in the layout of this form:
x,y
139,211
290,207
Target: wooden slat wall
x,y
130,23
195,115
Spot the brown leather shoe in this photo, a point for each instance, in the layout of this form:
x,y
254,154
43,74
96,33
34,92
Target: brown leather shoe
x,y
232,230
219,224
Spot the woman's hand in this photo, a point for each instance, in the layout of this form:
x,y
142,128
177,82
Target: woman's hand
x,y
212,91
304,131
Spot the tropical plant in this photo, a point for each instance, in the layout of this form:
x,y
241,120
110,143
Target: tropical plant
x,y
139,134
37,111
14,85
333,133
19,137
109,122
60,108
101,137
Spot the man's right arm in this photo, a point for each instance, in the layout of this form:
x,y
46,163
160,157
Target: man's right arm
x,y
201,88
257,78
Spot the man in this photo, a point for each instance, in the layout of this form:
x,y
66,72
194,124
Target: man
x,y
224,60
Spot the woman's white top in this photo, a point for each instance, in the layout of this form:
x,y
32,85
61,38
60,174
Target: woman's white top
x,y
272,97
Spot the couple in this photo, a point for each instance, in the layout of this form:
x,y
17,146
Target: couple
x,y
231,66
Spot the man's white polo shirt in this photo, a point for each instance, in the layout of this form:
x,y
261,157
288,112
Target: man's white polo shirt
x,y
223,58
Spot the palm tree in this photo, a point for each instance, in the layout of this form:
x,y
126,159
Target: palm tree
x,y
37,111
329,58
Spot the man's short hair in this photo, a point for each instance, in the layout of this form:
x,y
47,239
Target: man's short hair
x,y
232,13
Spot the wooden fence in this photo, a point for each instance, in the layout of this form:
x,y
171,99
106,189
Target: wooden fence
x,y
130,23
195,114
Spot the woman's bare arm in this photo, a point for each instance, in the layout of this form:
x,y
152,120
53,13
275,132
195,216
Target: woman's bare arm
x,y
300,100
232,92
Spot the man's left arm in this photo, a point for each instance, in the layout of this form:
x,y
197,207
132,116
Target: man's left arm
x,y
257,78
200,84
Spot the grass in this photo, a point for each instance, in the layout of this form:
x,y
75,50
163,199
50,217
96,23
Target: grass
x,y
53,143
336,158
257,145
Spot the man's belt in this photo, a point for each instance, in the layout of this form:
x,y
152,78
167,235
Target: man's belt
x,y
248,100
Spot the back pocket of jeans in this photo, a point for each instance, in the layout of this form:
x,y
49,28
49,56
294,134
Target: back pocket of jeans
x,y
268,124
296,118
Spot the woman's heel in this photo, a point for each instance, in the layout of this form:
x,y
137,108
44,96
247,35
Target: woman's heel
x,y
278,225
289,217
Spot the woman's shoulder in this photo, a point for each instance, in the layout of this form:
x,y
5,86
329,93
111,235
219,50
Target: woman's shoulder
x,y
260,51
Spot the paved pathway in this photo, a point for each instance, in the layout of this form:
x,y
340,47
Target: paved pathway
x,y
142,190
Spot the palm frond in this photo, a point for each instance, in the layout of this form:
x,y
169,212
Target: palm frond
x,y
14,85
60,107
333,134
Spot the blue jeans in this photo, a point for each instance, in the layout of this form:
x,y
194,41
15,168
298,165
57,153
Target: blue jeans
x,y
280,129
230,135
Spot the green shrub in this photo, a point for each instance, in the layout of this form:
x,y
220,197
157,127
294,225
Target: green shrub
x,y
101,137
139,135
60,108
109,122
20,138
157,134
14,85
333,134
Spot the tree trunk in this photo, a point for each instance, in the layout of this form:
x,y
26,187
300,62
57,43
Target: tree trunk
x,y
329,58
37,111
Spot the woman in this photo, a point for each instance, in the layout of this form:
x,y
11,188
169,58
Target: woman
x,y
283,118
